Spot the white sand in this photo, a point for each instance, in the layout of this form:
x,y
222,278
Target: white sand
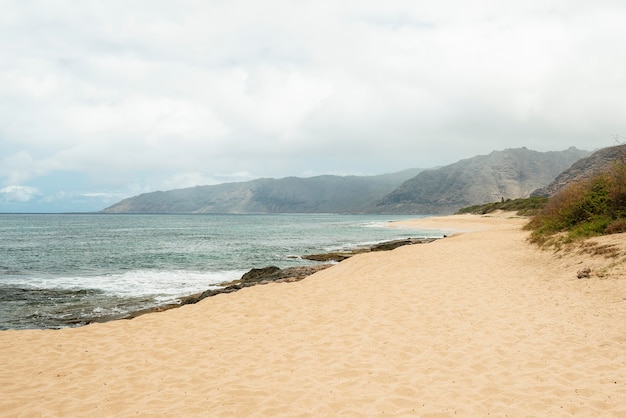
x,y
476,324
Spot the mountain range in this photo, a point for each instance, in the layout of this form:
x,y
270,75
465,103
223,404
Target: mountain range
x,y
321,194
509,173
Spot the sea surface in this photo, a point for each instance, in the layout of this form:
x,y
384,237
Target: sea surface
x,y
61,270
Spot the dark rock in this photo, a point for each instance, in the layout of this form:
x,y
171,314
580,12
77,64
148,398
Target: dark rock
x,y
257,275
328,256
253,277
383,246
584,273
391,245
272,274
299,273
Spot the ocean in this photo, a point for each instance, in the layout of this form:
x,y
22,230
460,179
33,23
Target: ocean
x,y
62,270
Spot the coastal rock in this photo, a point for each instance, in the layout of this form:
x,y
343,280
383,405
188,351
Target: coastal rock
x,y
392,245
334,256
257,275
383,246
292,274
253,277
273,274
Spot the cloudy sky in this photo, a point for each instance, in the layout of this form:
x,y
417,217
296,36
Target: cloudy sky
x,y
101,100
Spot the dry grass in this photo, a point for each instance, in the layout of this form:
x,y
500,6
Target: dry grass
x,y
587,208
596,249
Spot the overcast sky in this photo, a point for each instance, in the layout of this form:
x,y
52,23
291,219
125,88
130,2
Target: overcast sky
x,y
101,100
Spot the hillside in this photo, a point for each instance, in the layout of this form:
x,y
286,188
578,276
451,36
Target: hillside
x,y
585,168
336,194
508,174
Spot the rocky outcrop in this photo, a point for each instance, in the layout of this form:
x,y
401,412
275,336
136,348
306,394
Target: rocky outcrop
x,y
253,277
392,245
332,256
258,276
275,274
585,168
383,246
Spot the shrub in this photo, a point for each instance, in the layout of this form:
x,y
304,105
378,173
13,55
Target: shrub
x,y
616,227
617,193
592,207
523,206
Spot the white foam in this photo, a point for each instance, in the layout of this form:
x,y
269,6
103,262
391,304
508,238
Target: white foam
x,y
385,223
165,284
375,224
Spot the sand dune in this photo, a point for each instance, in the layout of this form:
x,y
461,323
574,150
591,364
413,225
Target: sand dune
x,y
476,324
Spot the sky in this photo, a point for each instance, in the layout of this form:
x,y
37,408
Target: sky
x,y
103,100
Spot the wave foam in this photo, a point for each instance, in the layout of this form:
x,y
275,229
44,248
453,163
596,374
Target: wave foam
x,y
166,284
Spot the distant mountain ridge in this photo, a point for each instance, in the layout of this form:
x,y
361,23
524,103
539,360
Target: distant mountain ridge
x,y
511,173
321,194
584,168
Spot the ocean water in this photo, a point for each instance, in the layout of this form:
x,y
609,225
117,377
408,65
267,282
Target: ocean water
x,y
60,270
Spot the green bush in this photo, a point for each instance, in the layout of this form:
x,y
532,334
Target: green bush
x,y
523,207
592,207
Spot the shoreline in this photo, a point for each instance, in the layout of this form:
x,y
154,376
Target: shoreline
x,y
479,323
267,275
96,297
64,280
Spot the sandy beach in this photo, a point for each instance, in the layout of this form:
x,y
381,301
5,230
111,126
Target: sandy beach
x,y
480,323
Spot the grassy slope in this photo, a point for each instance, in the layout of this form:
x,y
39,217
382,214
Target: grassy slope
x,y
592,207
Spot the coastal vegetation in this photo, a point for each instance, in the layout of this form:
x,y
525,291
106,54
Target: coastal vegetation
x,y
523,206
586,200
591,207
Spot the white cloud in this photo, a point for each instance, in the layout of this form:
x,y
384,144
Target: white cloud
x,y
188,179
19,193
19,167
149,95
